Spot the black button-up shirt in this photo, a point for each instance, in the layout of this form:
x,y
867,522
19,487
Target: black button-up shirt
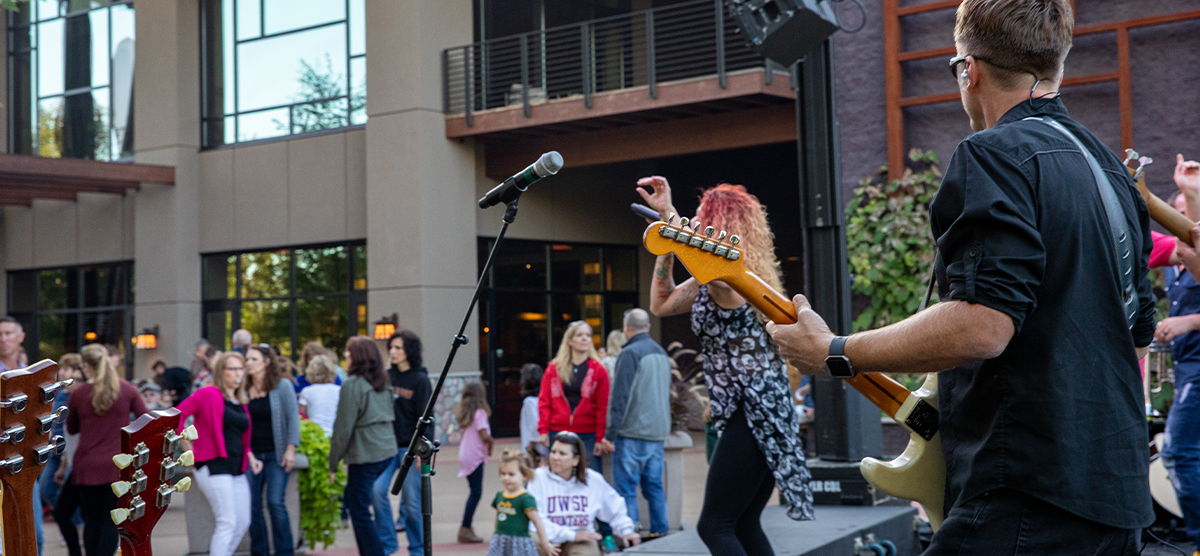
x,y
1021,228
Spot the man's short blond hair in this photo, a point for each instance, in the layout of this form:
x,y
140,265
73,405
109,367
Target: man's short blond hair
x,y
1016,37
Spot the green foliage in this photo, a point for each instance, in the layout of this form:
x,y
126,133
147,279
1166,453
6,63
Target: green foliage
x,y
10,5
889,244
320,508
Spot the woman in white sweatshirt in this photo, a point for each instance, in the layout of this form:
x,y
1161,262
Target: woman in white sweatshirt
x,y
570,497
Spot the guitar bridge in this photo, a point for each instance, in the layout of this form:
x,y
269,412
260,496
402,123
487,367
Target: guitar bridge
x,y
923,420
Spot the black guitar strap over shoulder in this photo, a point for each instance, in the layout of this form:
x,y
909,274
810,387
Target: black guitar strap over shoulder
x,y
1122,243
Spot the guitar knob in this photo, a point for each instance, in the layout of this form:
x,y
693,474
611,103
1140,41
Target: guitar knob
x,y
119,516
60,416
187,459
734,239
183,485
670,218
122,460
190,433
721,235
121,488
683,222
709,231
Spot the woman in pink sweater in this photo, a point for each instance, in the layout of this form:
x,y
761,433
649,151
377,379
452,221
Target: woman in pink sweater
x,y
223,450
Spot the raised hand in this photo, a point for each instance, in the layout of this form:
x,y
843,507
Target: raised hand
x,y
1187,174
659,197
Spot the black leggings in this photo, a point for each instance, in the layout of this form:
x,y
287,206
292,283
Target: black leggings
x,y
475,482
94,502
738,487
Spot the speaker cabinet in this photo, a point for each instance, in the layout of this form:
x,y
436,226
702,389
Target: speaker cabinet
x,y
784,30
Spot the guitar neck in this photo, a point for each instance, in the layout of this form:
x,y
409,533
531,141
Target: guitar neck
x,y
1175,222
20,532
880,389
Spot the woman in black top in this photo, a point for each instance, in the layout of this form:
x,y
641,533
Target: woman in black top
x,y
274,435
223,423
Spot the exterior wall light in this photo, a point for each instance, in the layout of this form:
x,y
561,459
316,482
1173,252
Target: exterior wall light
x,y
147,338
386,326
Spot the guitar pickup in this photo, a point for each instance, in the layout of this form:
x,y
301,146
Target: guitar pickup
x,y
49,391
46,422
16,402
56,446
167,470
14,434
13,464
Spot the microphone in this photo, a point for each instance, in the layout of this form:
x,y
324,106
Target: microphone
x,y
508,191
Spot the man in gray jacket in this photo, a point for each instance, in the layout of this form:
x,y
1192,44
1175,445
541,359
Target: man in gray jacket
x,y
640,420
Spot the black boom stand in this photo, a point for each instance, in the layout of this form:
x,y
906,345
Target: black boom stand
x,y
420,446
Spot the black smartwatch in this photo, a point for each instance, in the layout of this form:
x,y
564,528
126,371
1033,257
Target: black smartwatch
x,y
837,362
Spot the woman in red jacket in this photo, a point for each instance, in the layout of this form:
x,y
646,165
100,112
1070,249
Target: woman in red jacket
x,y
574,396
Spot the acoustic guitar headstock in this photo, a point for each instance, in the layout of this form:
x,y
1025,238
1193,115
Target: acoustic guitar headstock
x,y
151,458
26,417
708,254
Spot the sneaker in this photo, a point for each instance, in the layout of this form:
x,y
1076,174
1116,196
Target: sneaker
x,y
466,535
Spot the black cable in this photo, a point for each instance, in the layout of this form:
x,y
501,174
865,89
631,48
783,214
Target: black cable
x,y
1160,541
861,24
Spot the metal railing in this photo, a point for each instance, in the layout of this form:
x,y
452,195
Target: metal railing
x,y
680,41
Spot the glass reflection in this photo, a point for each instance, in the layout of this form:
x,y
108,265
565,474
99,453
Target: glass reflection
x,y
271,323
266,274
321,270
322,319
290,15
291,68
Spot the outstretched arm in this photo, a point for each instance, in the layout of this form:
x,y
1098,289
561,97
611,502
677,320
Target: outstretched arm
x,y
543,539
667,299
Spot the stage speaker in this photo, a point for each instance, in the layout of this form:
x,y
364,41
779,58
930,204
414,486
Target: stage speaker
x,y
784,30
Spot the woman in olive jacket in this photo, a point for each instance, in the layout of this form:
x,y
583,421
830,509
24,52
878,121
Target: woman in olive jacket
x,y
363,435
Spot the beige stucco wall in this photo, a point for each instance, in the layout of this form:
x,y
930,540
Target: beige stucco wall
x,y
97,228
305,190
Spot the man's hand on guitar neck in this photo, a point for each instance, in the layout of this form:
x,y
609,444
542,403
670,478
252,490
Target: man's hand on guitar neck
x,y
946,335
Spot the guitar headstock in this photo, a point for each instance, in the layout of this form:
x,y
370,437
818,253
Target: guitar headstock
x,y
1139,172
708,254
26,416
151,458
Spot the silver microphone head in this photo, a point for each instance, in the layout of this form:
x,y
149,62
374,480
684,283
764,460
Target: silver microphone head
x,y
549,164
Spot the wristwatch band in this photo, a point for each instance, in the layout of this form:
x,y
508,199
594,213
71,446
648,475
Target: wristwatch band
x,y
837,362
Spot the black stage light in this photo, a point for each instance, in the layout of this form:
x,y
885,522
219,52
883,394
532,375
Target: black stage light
x,y
784,30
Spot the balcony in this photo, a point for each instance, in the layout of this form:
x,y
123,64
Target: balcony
x,y
681,70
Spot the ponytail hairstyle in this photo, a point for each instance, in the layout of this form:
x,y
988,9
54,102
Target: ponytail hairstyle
x,y
105,382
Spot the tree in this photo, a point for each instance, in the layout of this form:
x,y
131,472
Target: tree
x,y
323,92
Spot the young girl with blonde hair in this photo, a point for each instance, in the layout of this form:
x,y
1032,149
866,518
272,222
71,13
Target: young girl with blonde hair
x,y
516,509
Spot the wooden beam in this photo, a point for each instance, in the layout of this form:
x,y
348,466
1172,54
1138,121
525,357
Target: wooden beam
x,y
894,88
730,130
70,168
17,191
1125,88
1068,82
925,8
1136,23
624,101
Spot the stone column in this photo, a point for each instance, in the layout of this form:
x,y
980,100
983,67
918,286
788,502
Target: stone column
x,y
167,109
420,185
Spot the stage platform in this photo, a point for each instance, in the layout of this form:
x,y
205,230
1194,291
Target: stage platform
x,y
831,534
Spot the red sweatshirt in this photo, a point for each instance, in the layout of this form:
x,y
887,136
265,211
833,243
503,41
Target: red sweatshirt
x,y
554,413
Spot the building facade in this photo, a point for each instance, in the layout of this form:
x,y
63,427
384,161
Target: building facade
x,y
327,156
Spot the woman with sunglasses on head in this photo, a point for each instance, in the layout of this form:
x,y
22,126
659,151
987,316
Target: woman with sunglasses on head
x,y
574,395
571,497
274,435
759,447
222,450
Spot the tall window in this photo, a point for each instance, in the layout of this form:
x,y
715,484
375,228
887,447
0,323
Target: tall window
x,y
64,309
281,67
71,84
287,297
534,291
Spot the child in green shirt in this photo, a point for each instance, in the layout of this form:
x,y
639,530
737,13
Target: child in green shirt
x,y
515,509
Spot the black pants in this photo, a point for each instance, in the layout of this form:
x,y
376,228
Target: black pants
x,y
738,487
1009,523
475,482
94,503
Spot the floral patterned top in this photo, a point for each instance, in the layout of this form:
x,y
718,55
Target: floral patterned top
x,y
743,369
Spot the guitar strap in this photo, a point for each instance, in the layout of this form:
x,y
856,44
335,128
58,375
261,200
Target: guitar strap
x,y
1118,225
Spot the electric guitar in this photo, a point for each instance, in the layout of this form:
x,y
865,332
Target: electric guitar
x,y
919,474
152,455
1175,222
26,415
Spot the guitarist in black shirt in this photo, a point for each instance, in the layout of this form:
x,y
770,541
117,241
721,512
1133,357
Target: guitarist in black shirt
x,y
1046,309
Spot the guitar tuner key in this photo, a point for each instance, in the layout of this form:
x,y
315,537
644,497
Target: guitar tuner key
x,y
188,459
696,240
722,235
166,470
162,497
119,516
59,443
709,231
14,434
120,488
734,240
183,485
171,443
122,460
49,391
190,433
139,482
667,232
13,464
42,453
683,222
670,218
16,403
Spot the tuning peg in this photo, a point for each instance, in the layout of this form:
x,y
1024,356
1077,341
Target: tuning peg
x,y
709,231
190,433
1143,161
1130,156
187,459
683,222
121,488
670,218
734,239
696,226
119,516
721,235
183,485
122,460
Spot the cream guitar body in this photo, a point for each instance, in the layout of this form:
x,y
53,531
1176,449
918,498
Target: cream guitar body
x,y
918,474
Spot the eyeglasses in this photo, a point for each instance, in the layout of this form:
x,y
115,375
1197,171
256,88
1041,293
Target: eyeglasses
x,y
955,61
235,368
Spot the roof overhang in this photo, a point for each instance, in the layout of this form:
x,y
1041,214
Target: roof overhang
x,y
25,178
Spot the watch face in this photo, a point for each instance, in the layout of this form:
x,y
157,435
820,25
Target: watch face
x,y
839,366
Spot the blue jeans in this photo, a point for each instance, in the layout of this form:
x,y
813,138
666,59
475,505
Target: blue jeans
x,y
475,487
641,461
275,480
1181,454
37,515
359,484
410,507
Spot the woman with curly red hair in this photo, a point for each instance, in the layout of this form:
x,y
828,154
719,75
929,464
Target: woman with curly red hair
x,y
747,380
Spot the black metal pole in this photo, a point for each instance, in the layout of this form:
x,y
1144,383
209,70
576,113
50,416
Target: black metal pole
x,y
420,446
847,425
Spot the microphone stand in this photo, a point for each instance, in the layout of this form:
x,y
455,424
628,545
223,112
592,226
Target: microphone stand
x,y
420,446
